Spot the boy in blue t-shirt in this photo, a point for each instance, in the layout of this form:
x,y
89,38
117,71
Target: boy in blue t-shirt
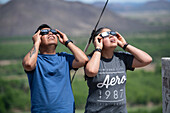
x,y
49,72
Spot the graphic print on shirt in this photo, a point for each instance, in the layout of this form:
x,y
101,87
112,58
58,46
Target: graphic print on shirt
x,y
112,87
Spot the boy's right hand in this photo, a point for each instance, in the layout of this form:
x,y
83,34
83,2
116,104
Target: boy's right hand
x,y
37,37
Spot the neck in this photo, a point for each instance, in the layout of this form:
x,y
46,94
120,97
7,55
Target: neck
x,y
107,53
48,49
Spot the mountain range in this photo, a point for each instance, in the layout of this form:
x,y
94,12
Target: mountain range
x,y
131,6
22,17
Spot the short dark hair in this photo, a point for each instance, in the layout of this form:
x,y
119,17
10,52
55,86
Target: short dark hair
x,y
42,26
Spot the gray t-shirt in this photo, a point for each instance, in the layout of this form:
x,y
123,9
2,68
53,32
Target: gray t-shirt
x,y
107,88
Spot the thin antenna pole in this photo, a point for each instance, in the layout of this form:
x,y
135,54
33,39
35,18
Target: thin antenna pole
x,y
94,30
92,34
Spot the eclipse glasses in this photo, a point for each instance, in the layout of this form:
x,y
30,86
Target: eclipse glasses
x,y
46,31
106,34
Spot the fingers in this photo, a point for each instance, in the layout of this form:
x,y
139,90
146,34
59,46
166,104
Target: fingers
x,y
37,37
121,40
62,37
118,35
59,33
37,34
98,39
98,43
38,31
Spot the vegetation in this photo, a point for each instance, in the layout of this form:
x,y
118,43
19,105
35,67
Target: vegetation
x,y
149,17
14,94
146,86
143,87
156,44
12,69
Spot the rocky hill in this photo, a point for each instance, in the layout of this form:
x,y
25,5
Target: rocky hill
x,y
146,6
22,17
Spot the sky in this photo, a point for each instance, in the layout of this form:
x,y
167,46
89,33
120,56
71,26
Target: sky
x,y
91,1
118,1
3,1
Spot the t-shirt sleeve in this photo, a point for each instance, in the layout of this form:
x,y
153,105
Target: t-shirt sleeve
x,y
128,60
69,58
29,72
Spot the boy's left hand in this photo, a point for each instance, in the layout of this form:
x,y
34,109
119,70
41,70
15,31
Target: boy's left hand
x,y
61,36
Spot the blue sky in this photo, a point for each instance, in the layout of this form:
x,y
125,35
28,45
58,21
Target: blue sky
x,y
3,1
120,1
90,1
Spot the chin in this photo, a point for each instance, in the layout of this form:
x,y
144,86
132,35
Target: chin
x,y
53,44
114,45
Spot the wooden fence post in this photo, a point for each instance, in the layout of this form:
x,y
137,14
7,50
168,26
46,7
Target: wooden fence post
x,y
166,85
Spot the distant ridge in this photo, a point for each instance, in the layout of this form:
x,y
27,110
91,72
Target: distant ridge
x,y
22,17
147,6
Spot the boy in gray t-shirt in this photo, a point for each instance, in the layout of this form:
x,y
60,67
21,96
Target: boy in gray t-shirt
x,y
106,72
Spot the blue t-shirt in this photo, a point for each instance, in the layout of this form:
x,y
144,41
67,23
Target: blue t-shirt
x,y
50,86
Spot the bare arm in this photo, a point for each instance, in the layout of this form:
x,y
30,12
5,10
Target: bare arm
x,y
29,61
92,67
80,57
141,58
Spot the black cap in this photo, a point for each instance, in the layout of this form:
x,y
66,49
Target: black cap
x,y
42,26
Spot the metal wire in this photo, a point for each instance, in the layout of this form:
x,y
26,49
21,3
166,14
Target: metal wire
x,y
92,35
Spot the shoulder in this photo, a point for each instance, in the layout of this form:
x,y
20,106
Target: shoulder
x,y
67,56
122,53
63,54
